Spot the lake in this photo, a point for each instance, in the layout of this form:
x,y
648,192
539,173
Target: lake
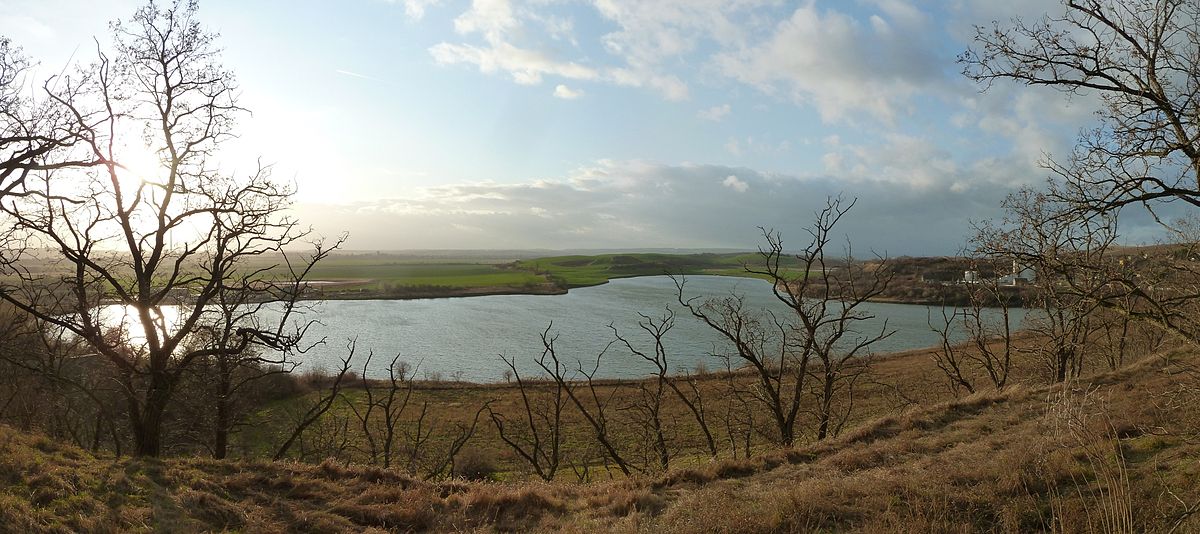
x,y
463,337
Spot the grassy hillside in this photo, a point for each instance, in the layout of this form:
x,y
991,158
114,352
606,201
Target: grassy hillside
x,y
1118,451
398,275
576,271
384,275
887,384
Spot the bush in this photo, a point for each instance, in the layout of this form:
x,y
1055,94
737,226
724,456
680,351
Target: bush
x,y
474,464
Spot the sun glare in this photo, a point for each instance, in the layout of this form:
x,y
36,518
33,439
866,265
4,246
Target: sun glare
x,y
137,164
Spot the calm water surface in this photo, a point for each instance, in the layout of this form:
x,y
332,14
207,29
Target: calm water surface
x,y
463,337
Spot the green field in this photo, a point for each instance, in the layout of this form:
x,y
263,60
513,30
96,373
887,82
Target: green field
x,y
465,273
577,271
391,274
400,274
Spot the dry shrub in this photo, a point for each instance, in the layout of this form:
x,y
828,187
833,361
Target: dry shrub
x,y
733,468
212,509
51,484
504,506
332,469
382,494
857,459
474,464
881,428
913,513
1084,473
452,487
833,503
417,511
17,514
135,515
620,500
318,522
684,476
793,456
286,484
721,509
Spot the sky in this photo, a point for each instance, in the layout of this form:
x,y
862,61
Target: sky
x,y
616,124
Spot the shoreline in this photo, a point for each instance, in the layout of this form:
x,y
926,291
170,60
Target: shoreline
x,y
547,290
321,291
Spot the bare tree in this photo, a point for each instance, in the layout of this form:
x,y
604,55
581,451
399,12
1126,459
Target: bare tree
x,y
538,438
1140,59
317,408
826,300
163,243
51,382
34,137
652,392
390,403
764,343
962,360
594,406
232,373
1075,272
445,465
738,416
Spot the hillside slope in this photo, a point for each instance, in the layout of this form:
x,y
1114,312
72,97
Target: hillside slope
x,y
1117,450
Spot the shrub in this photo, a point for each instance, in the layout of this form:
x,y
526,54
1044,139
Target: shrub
x,y
474,464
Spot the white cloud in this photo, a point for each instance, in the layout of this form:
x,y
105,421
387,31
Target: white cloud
x,y
715,113
735,183
492,18
840,65
510,34
733,147
415,9
496,21
527,67
621,204
669,85
652,32
31,28
566,93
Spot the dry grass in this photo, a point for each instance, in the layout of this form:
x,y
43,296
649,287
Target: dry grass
x,y
1116,452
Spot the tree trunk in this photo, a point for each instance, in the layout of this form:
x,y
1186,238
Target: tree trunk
x,y
1061,372
221,432
826,407
147,429
147,434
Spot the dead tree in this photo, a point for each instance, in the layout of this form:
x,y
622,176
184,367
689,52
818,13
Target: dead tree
x,y
962,360
593,407
34,137
317,408
1070,254
53,383
463,433
823,339
764,344
739,412
663,381
539,440
390,404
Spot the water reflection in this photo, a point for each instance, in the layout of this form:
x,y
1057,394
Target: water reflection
x,y
124,320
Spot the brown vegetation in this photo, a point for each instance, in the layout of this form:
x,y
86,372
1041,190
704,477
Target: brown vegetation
x,y
1090,455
